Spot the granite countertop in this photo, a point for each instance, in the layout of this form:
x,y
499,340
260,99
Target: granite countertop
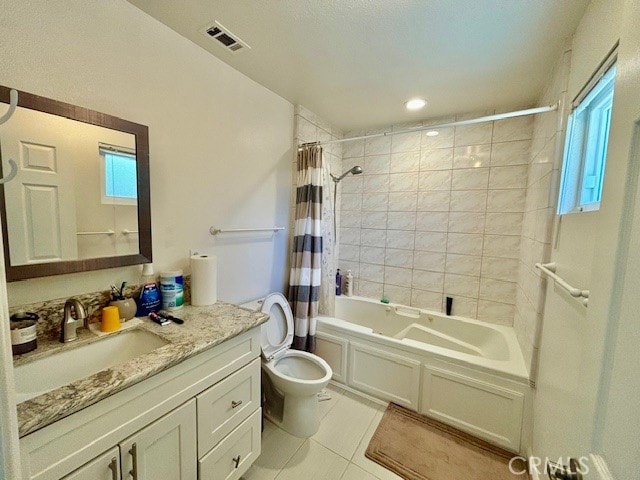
x,y
203,328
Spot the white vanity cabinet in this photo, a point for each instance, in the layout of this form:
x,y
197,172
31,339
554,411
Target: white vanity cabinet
x,y
198,419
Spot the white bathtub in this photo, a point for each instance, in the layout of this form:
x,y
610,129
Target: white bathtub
x,y
463,372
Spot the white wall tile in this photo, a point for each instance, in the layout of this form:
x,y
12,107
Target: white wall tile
x,y
463,264
475,156
398,258
497,290
371,272
375,202
401,220
370,289
349,236
470,179
493,312
510,153
466,222
462,306
374,219
432,261
443,139
435,180
479,133
376,164
520,128
351,201
468,200
350,253
508,177
437,159
434,201
374,255
427,300
405,162
504,223
406,142
350,219
427,280
500,268
403,201
373,238
375,183
464,243
397,276
351,183
503,246
377,145
506,200
398,294
431,241
353,149
400,239
463,285
432,221
403,182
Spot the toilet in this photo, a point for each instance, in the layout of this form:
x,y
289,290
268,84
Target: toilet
x,y
292,379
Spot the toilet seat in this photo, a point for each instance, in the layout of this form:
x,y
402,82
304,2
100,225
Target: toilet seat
x,y
277,336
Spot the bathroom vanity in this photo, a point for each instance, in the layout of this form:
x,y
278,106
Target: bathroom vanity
x,y
189,408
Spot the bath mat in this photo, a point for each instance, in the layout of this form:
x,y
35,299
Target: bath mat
x,y
416,447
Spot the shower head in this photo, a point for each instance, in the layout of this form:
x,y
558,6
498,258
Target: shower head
x,y
357,170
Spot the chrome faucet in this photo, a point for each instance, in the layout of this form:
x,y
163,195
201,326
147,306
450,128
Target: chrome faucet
x,y
72,307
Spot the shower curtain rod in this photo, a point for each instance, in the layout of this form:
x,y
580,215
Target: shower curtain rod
x,y
488,118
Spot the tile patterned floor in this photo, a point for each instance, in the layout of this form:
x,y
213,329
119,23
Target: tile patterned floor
x,y
336,452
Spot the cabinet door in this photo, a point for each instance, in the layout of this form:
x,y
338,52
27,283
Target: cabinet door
x,y
165,450
104,467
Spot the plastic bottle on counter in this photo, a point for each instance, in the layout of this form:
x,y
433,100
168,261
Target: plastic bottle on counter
x,y
348,284
338,283
149,295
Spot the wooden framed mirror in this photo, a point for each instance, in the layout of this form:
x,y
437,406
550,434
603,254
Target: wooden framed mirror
x,y
81,198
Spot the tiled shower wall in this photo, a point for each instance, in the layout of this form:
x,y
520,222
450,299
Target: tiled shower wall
x,y
540,208
309,127
438,216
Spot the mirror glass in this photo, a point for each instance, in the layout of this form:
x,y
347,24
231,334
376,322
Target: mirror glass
x,y
80,198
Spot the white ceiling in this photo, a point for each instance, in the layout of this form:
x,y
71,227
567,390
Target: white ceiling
x,y
355,62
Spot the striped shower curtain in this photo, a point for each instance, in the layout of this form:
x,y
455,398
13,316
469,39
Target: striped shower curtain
x,y
304,279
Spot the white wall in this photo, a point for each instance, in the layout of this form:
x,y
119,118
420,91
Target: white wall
x,y
220,144
574,351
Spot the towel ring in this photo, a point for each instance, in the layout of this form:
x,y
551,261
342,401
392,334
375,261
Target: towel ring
x,y
13,103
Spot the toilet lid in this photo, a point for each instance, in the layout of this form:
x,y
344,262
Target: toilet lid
x,y
277,332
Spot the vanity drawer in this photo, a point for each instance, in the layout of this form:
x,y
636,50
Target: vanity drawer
x,y
234,455
222,407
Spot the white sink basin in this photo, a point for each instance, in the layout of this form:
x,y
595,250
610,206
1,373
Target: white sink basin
x,y
54,371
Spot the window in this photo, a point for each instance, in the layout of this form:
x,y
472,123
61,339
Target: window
x,y
120,184
585,149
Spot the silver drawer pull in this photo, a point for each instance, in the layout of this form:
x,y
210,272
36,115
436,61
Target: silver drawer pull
x,y
113,466
134,459
237,461
235,404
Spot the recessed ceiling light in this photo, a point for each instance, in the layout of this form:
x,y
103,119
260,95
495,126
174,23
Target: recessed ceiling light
x,y
432,133
415,104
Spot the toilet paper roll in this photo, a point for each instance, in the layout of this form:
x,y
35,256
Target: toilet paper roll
x,y
204,280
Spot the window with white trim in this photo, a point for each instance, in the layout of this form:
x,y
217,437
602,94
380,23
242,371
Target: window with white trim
x,y
585,148
119,176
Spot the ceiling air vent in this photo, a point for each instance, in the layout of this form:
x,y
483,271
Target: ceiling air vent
x,y
226,39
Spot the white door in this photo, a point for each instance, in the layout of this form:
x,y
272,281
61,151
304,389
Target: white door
x,y
165,450
104,467
41,214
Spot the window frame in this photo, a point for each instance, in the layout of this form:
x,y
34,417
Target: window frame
x,y
585,148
